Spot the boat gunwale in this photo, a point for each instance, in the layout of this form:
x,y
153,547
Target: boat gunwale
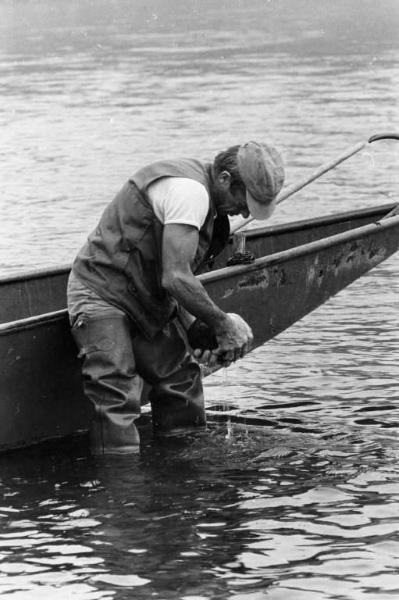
x,y
304,224
30,322
226,272
35,274
302,250
289,227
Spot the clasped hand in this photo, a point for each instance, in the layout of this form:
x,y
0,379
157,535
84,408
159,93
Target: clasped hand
x,y
234,340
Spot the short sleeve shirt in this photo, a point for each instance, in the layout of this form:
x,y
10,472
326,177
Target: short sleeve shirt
x,y
179,200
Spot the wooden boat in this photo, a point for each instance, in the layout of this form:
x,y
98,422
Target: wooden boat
x,y
298,267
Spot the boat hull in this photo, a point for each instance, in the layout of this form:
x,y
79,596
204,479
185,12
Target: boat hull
x,y
41,393
284,287
44,291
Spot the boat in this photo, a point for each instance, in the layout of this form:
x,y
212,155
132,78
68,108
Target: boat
x,y
296,268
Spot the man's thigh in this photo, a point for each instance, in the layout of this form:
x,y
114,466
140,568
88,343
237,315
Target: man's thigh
x,y
160,358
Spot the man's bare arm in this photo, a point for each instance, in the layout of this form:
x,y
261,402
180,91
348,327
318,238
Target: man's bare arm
x,y
179,247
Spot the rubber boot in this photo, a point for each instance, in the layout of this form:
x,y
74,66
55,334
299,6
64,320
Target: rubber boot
x,y
176,394
110,381
178,402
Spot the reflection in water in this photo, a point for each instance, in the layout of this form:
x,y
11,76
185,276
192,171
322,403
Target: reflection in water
x,y
293,492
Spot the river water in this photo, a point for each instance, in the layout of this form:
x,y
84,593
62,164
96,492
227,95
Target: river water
x,y
295,494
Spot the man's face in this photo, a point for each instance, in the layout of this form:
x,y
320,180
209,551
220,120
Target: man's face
x,y
231,197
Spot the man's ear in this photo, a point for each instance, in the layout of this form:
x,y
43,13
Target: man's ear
x,y
224,179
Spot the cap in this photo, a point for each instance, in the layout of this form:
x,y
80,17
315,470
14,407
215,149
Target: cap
x,y
262,171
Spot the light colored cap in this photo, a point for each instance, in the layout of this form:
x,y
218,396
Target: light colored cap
x,y
262,171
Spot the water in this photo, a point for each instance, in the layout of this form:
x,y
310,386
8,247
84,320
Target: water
x,y
295,493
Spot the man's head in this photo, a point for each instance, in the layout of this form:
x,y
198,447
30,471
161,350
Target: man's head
x,y
247,180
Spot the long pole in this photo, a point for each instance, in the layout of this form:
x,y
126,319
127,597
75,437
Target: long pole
x,y
295,187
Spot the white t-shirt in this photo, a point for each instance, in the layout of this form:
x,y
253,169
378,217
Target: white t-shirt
x,y
179,200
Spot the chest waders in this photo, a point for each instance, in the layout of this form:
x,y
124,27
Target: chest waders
x,y
116,359
123,343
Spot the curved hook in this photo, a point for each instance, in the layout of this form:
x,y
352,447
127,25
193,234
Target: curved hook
x,y
383,136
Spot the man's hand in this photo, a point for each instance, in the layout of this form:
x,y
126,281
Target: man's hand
x,y
234,340
234,337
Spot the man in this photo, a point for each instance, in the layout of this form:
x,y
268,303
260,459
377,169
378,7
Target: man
x,y
136,308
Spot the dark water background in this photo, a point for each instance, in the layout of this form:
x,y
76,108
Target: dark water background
x,y
299,499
